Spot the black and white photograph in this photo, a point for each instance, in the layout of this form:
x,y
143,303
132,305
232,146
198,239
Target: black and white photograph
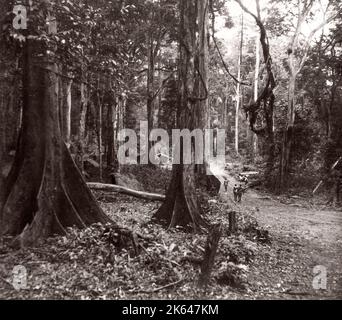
x,y
171,150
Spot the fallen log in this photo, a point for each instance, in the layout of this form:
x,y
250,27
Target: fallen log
x,y
119,189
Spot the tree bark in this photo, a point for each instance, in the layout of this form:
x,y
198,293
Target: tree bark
x,y
288,135
181,207
82,125
44,193
2,139
254,137
110,135
150,88
99,128
202,115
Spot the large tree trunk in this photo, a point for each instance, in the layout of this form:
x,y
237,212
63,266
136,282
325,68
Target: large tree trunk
x,y
12,112
181,207
202,116
44,193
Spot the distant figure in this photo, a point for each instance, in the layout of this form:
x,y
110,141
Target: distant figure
x,y
226,185
238,192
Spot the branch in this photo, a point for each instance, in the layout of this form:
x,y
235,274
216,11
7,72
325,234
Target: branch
x,y
225,65
311,35
220,54
258,9
244,8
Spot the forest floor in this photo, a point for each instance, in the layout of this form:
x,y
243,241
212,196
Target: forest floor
x,y
279,243
304,235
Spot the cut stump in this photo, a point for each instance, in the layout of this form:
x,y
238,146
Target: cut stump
x,y
209,255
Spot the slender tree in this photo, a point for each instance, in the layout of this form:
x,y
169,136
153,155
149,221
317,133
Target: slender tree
x,y
254,137
263,106
238,90
297,57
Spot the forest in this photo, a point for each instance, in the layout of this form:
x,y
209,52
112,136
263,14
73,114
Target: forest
x,y
170,149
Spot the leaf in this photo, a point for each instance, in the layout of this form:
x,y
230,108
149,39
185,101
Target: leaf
x,y
66,8
242,267
172,247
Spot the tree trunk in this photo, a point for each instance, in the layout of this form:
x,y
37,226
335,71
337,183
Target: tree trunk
x,y
203,121
2,139
202,115
110,135
119,122
264,105
82,125
44,193
150,92
254,137
288,136
3,122
181,207
157,108
228,120
99,130
238,92
294,70
209,255
12,114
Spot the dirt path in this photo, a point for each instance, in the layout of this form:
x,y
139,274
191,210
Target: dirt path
x,y
303,236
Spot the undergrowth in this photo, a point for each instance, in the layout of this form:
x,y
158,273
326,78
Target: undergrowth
x,y
92,264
